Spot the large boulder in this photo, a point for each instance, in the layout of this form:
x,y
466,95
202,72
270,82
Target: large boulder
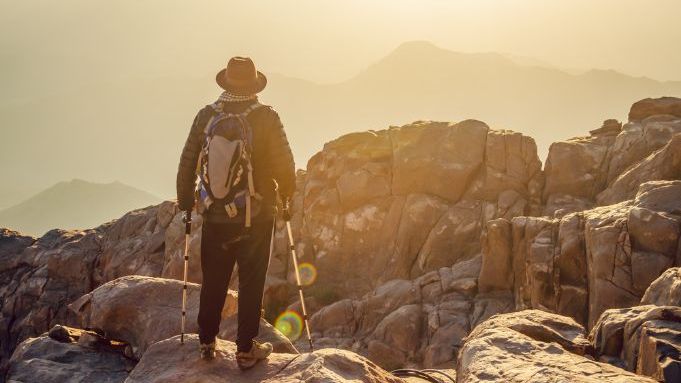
x,y
541,326
638,140
642,339
46,360
655,106
533,346
608,166
665,290
135,243
169,361
403,202
143,310
664,164
575,173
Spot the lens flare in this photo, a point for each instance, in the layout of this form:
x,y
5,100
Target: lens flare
x,y
308,273
290,323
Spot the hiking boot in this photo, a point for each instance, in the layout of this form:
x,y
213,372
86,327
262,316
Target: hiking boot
x,y
207,351
258,351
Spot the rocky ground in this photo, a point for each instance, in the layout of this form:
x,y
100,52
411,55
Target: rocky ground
x,y
436,245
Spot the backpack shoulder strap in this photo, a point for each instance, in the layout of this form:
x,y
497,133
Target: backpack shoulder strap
x,y
217,110
250,108
217,107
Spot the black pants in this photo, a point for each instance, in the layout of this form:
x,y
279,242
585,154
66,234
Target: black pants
x,y
223,244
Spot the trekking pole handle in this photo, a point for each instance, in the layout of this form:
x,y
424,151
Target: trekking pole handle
x,y
187,219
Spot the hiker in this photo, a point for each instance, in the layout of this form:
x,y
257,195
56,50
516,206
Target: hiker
x,y
239,149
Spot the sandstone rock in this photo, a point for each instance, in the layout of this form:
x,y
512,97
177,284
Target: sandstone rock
x,y
541,326
655,106
664,164
607,166
607,335
610,127
530,346
46,360
497,268
41,277
396,331
590,261
659,354
134,244
167,361
643,339
143,310
12,242
489,304
403,202
443,151
638,140
665,290
40,280
574,169
411,323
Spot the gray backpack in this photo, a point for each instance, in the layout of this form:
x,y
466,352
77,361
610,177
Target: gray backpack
x,y
225,170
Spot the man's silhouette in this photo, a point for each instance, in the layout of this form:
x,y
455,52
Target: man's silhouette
x,y
234,231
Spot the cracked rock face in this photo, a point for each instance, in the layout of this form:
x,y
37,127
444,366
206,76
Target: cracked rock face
x,y
608,166
589,261
403,202
420,322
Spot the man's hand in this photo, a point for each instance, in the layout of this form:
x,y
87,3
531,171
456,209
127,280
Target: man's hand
x,y
187,219
187,216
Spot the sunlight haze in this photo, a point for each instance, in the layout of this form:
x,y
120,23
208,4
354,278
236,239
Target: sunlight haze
x,y
106,90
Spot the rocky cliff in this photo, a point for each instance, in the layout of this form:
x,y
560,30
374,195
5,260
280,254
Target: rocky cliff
x,y
428,241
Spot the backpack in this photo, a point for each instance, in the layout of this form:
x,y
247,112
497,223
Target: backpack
x,y
224,168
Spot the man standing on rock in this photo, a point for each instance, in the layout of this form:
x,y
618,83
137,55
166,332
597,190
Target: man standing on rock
x,y
238,149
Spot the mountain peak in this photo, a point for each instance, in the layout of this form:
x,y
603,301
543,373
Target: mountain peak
x,y
72,204
417,45
415,49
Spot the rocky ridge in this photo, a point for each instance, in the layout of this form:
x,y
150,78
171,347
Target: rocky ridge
x,y
419,234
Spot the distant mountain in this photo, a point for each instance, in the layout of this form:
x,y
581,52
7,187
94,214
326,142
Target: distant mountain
x,y
421,81
134,128
76,204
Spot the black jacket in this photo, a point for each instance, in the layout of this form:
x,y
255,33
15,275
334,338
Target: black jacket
x,y
271,157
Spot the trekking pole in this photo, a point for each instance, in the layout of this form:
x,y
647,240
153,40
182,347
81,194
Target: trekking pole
x,y
287,219
187,230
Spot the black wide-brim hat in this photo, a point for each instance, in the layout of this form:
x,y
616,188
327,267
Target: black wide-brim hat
x,y
240,77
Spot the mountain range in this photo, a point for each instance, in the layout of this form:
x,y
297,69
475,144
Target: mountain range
x,y
132,129
74,204
421,81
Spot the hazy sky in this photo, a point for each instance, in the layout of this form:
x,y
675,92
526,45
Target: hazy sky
x,y
323,40
50,49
